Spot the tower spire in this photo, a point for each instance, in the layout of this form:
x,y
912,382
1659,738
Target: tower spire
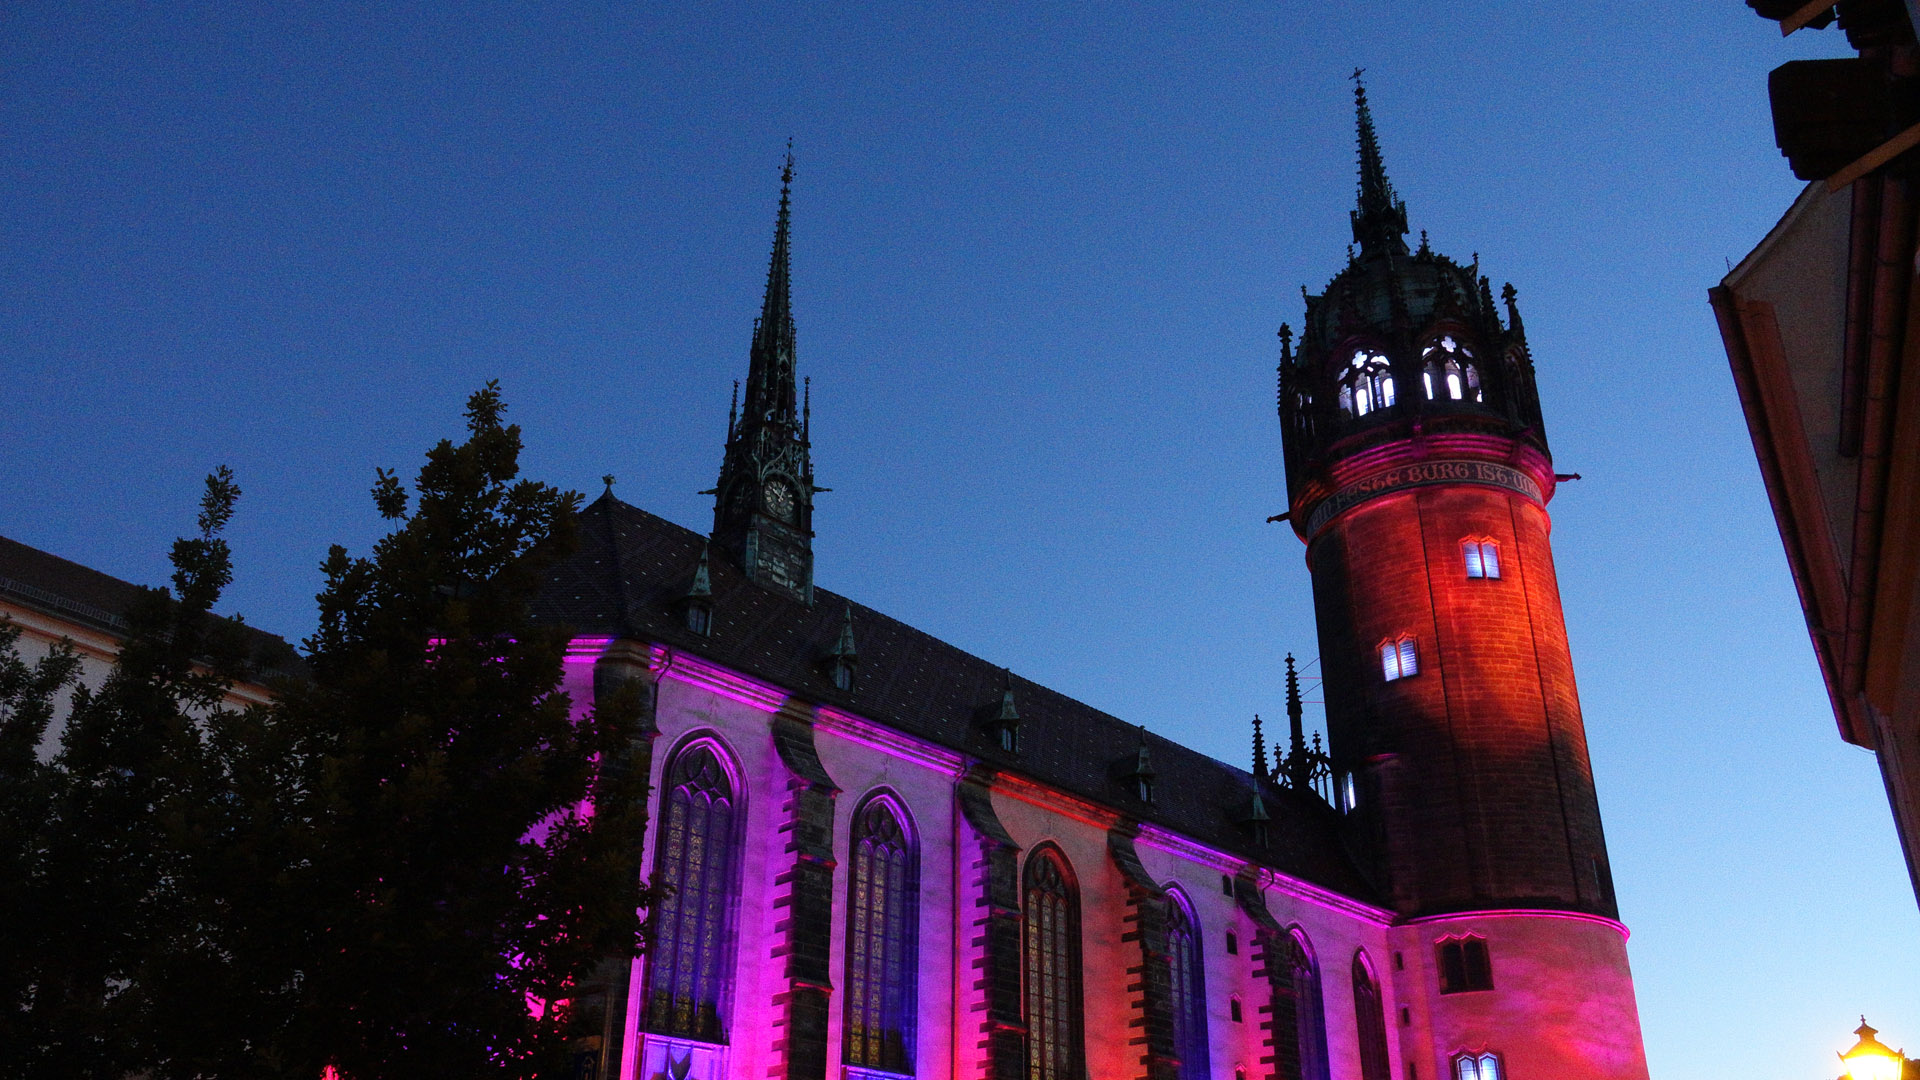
x,y
770,389
1381,219
763,504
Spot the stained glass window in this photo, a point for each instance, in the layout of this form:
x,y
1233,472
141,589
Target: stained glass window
x,y
1052,908
1370,1017
881,947
690,962
1189,991
1310,1017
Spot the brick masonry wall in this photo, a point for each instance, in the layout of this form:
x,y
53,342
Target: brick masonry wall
x,y
1476,768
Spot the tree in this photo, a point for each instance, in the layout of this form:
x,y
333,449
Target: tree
x,y
409,863
110,926
469,855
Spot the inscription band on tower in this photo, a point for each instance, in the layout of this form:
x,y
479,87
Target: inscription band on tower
x,y
1422,474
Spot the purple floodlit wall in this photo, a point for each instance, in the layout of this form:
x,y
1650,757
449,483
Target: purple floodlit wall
x,y
1563,994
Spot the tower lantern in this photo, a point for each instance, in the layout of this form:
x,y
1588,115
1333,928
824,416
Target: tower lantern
x,y
1418,475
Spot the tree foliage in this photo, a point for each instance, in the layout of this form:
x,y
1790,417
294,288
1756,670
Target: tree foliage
x,y
408,863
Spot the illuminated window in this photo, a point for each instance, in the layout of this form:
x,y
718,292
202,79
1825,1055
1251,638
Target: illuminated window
x,y
1477,1067
881,948
1399,659
1052,948
1309,1013
1483,558
1189,990
690,963
1464,965
1370,1018
1448,371
1366,385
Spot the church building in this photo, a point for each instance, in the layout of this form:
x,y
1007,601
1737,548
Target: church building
x,y
889,858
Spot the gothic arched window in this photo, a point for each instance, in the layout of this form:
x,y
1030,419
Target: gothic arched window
x,y
1189,990
1309,1012
690,963
1448,370
1366,385
1051,905
1370,1018
882,924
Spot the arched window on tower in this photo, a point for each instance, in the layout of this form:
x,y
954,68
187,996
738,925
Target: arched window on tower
x,y
1483,558
1477,1067
1366,385
1399,658
1309,1012
690,963
1449,371
1189,989
1051,904
1370,1020
882,950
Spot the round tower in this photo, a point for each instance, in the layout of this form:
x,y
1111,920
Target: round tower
x,y
1418,474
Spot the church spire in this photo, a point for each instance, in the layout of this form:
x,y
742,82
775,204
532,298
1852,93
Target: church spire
x,y
770,375
1381,219
763,504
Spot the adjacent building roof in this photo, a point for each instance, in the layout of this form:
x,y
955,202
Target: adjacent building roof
x,y
64,589
632,569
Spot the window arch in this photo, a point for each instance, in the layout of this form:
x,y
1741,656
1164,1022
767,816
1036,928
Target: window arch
x,y
1309,1011
882,931
1370,1019
1051,904
1189,988
1449,371
690,962
1367,384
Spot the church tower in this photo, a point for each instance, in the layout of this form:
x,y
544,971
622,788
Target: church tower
x,y
763,504
1418,475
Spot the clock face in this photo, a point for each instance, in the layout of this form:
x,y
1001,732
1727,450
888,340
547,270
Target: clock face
x,y
779,500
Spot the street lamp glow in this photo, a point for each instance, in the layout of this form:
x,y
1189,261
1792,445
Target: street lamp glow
x,y
1870,1059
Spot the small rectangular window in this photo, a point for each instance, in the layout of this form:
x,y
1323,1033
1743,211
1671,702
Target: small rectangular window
x,y
1483,558
1464,965
1477,1067
1474,568
1226,885
1406,1016
1390,661
1233,944
1233,1008
1409,662
1490,558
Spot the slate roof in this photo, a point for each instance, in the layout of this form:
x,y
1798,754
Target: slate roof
x,y
65,589
631,568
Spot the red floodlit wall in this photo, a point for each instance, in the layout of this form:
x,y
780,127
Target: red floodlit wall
x,y
1477,765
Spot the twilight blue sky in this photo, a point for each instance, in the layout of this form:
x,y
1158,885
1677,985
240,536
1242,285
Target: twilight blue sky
x,y
1040,256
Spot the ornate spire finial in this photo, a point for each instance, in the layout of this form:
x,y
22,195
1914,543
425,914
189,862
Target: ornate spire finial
x,y
1298,766
1381,220
1259,750
1510,295
608,480
770,373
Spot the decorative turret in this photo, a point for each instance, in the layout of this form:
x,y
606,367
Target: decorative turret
x,y
763,504
1397,342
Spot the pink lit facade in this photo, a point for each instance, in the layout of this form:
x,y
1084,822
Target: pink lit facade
x,y
889,858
